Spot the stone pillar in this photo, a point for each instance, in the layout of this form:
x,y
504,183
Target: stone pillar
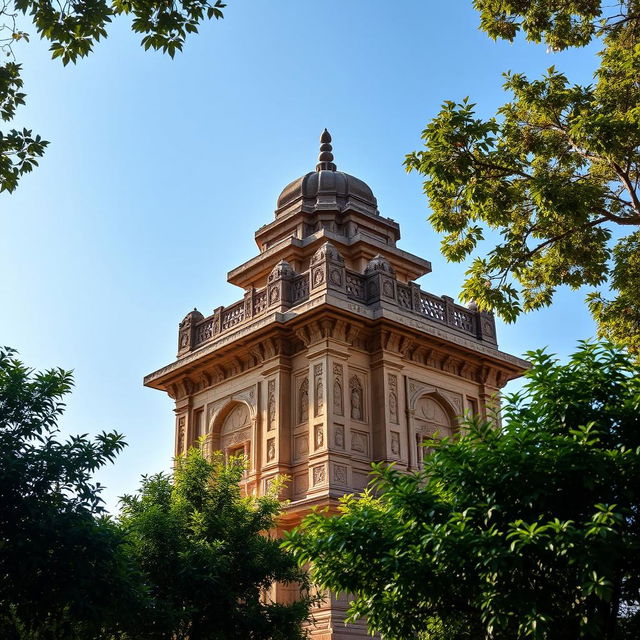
x,y
279,287
486,326
380,281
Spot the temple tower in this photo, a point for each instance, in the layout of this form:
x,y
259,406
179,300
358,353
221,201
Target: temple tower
x,y
333,358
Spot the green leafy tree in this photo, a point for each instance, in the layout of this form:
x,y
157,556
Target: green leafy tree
x,y
73,28
529,531
555,174
63,573
206,559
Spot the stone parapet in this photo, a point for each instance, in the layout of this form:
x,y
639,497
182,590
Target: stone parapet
x,y
287,289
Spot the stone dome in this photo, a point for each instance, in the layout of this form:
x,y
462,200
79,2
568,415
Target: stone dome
x,y
326,188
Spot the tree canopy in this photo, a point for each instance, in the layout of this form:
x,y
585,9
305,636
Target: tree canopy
x,y
188,557
529,531
73,28
63,572
206,559
555,173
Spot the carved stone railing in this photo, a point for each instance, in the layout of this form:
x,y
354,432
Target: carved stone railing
x,y
286,289
233,315
356,286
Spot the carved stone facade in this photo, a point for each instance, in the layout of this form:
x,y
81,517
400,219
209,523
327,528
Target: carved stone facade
x,y
334,358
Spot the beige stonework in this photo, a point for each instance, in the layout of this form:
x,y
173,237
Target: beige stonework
x,y
332,359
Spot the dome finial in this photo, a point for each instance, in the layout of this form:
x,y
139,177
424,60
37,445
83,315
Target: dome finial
x,y
325,158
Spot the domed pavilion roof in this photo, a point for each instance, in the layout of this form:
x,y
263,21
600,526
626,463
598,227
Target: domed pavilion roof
x,y
327,188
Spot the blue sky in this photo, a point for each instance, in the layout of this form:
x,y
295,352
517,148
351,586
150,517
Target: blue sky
x,y
159,172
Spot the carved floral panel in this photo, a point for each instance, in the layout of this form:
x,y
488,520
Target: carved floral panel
x,y
318,475
271,405
393,398
318,390
338,397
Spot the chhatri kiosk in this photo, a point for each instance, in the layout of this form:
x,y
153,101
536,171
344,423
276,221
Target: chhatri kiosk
x,y
332,358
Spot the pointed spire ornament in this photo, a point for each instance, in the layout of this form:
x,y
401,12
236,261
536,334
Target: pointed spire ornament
x,y
325,158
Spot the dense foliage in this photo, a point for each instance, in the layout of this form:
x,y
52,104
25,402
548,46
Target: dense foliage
x,y
63,573
529,531
205,559
555,173
188,557
73,28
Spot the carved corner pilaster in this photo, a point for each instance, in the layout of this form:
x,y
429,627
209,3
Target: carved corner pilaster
x,y
327,269
486,327
279,286
187,331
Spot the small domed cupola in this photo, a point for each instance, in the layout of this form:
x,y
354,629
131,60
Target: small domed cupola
x,y
326,188
327,251
379,263
282,270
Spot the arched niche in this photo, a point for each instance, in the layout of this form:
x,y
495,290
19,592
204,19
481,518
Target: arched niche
x,y
432,416
232,430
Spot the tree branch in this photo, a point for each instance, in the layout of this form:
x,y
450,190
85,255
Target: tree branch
x,y
624,177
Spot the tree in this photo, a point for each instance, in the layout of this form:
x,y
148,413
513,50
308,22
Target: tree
x,y
555,173
73,28
205,558
530,531
63,574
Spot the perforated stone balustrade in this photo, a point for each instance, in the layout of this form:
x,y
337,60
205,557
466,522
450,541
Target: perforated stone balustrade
x,y
286,289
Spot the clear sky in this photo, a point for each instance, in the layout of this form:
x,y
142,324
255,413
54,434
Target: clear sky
x,y
159,172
